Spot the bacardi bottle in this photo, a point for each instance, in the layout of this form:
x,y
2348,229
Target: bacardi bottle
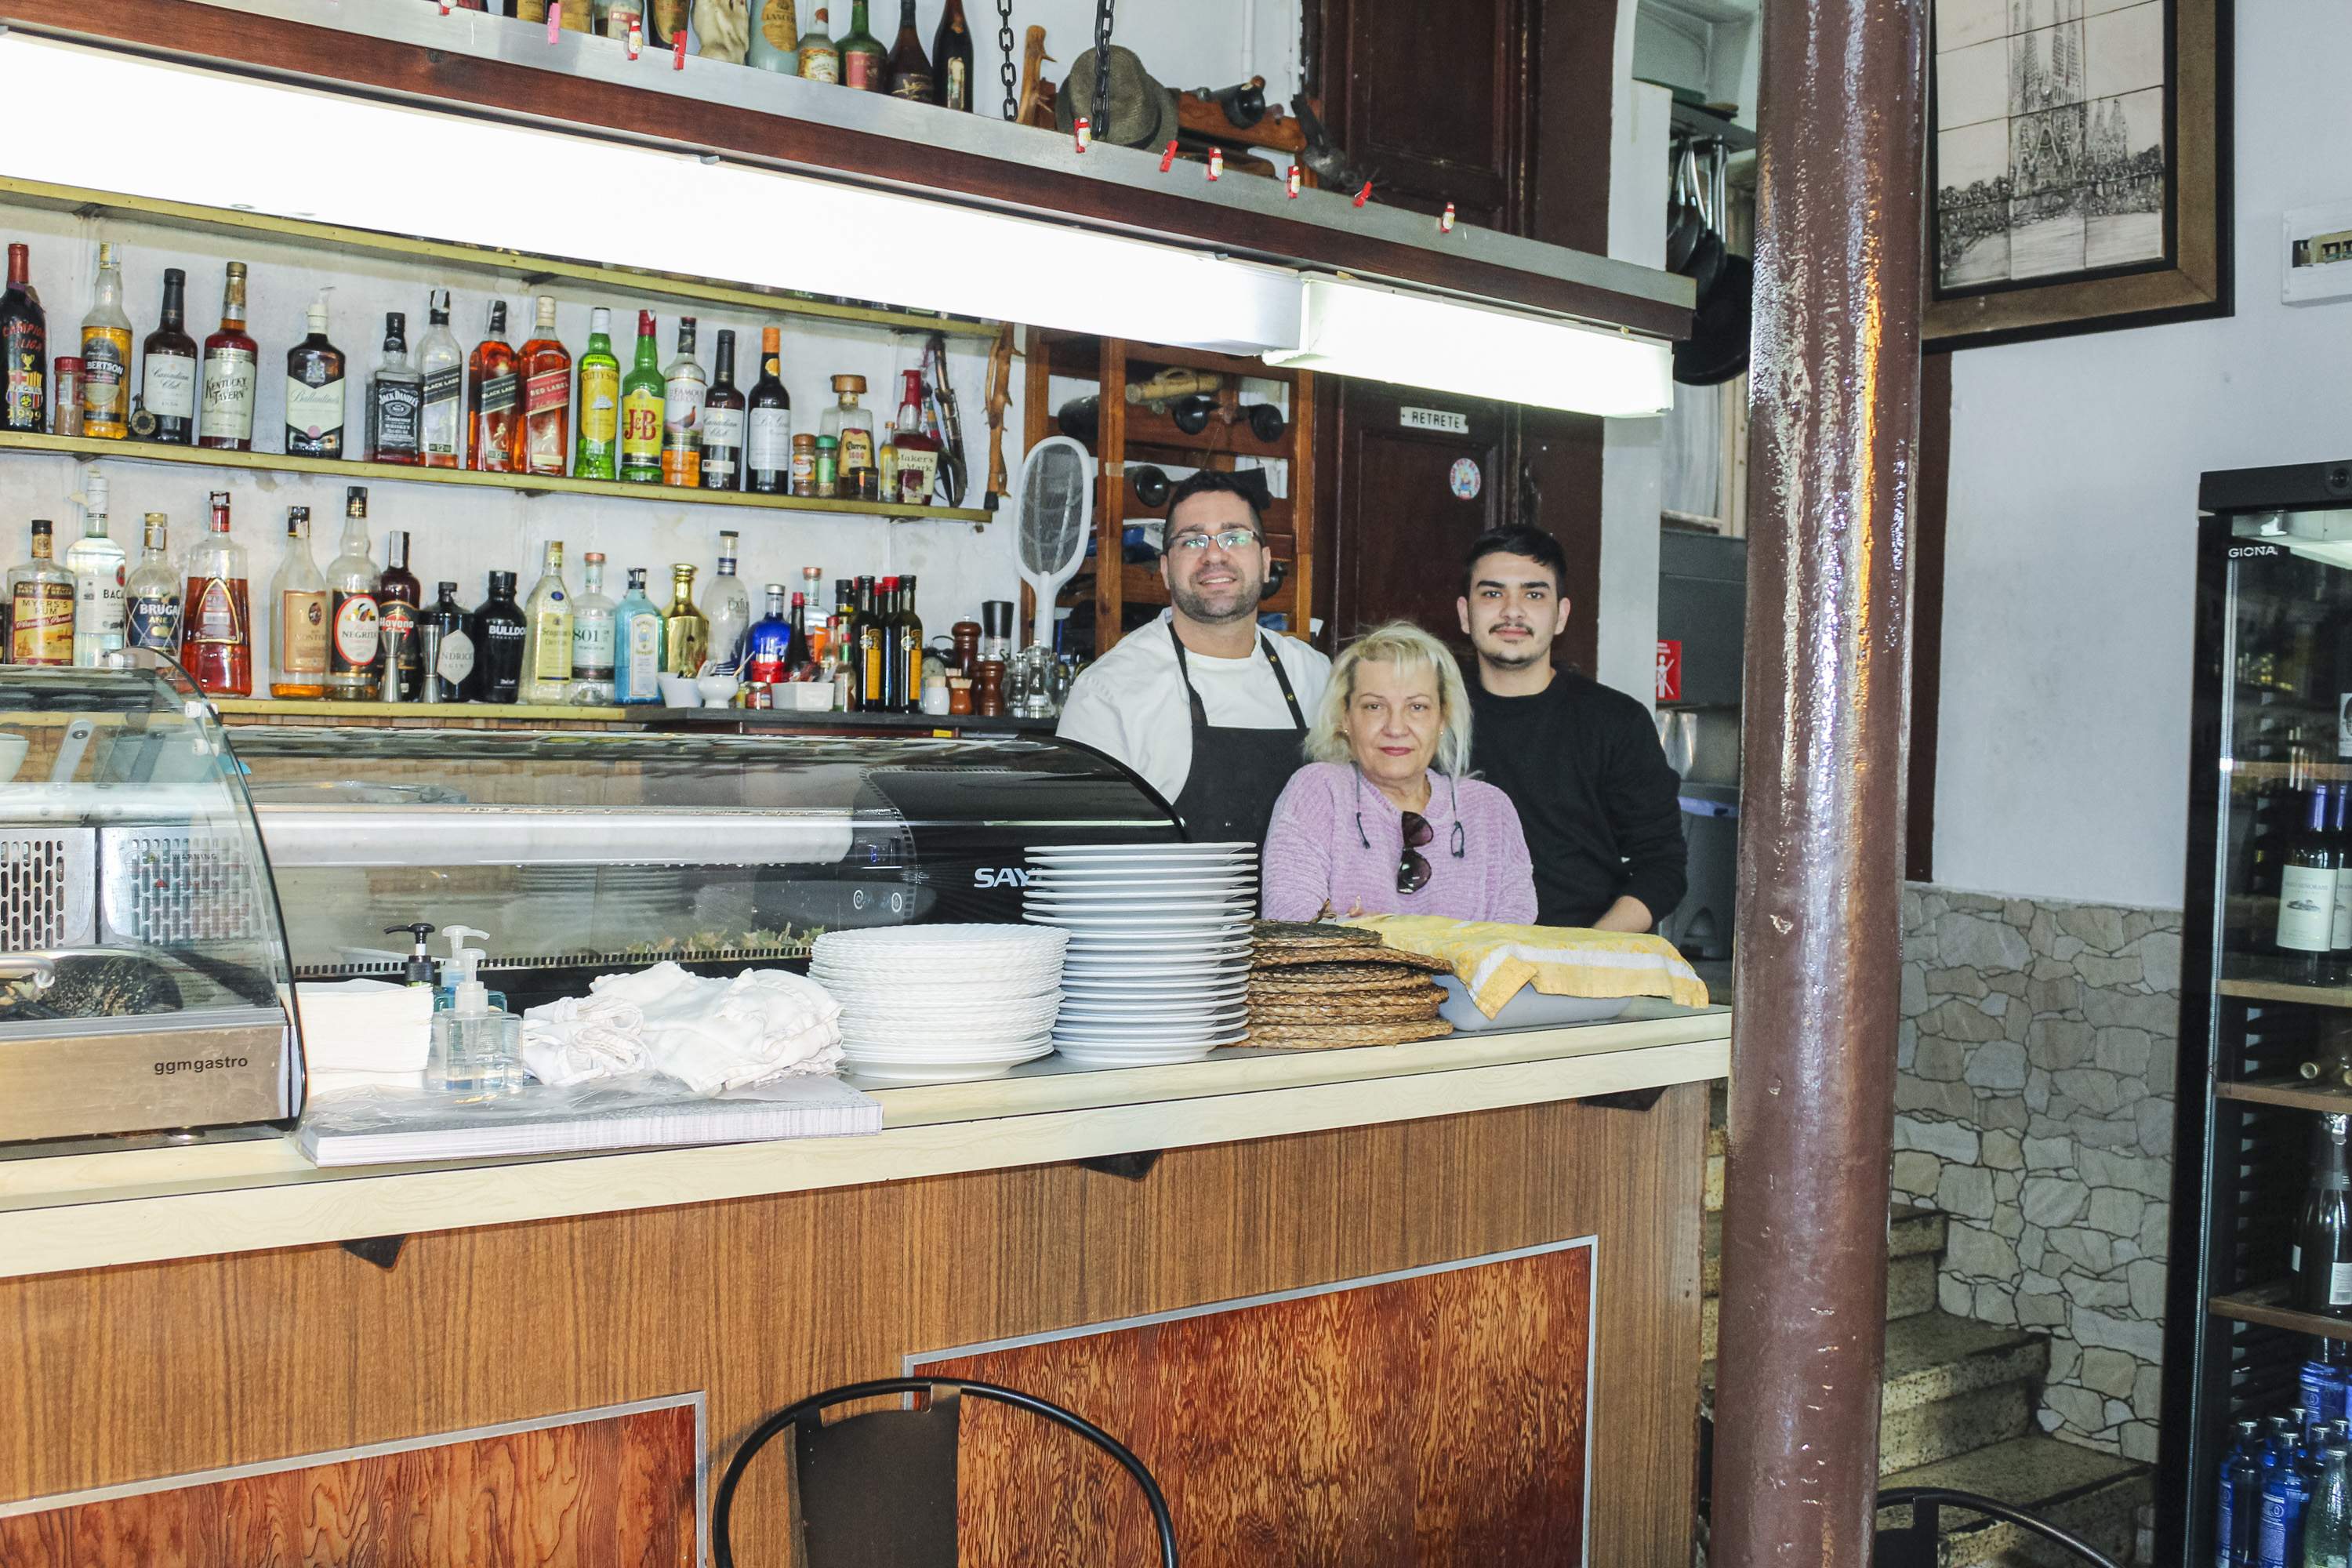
x,y
101,607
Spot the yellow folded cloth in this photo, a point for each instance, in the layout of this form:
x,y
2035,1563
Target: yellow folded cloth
x,y
1493,960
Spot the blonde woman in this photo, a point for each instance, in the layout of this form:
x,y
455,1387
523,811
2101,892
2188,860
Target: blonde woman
x,y
1381,821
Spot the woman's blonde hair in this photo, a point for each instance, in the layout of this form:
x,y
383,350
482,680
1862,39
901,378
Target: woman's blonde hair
x,y
1407,647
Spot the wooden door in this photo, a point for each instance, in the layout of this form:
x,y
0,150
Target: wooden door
x,y
1420,476
1433,101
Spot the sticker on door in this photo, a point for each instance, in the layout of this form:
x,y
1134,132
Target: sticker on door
x,y
1466,479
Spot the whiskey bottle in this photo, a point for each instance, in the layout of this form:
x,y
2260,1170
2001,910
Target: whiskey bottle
x,y
685,388
599,456
494,399
767,437
2321,1260
100,612
919,450
547,634
314,392
216,610
298,604
543,439
40,606
23,350
232,374
643,393
911,69
722,424
153,592
685,633
395,400
865,63
951,59
399,598
167,370
106,355
441,422
498,630
594,622
353,614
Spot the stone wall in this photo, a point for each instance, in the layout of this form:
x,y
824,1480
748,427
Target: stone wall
x,y
2033,1105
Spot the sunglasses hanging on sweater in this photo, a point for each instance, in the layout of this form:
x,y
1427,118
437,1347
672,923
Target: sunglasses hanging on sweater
x,y
1412,867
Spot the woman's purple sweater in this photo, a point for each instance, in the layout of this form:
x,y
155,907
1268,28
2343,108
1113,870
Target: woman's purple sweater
x,y
1314,856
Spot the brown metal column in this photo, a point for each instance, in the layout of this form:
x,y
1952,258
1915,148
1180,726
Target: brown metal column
x,y
1835,404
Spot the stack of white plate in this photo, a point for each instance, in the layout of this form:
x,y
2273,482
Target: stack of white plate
x,y
939,1003
1157,967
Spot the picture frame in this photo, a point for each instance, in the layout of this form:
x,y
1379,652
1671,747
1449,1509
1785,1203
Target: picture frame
x,y
2078,167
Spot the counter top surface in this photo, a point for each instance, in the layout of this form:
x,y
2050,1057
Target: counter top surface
x,y
86,1210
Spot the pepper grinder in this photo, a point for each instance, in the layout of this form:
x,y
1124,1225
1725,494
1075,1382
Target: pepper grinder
x,y
996,634
988,693
965,635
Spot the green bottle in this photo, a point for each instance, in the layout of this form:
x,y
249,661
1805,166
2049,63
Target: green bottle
x,y
865,63
643,392
599,456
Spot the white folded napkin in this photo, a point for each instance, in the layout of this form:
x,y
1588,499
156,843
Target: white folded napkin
x,y
365,1026
717,1035
578,1039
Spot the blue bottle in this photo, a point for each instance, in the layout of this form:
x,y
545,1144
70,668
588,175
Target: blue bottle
x,y
769,654
636,645
2326,1381
2286,1492
2240,1499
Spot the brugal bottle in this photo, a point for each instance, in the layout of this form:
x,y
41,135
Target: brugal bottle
x,y
477,1048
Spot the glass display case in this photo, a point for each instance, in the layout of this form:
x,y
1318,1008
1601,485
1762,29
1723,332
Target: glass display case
x,y
583,852
2259,1310
144,965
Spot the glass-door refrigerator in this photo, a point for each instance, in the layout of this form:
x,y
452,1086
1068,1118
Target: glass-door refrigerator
x,y
2259,1310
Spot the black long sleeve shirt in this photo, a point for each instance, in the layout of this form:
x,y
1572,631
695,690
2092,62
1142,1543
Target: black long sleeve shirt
x,y
1596,798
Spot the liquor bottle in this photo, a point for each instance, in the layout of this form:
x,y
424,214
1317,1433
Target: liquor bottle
x,y
865,63
453,651
2238,1501
594,625
769,654
2326,1380
911,69
669,21
547,634
841,638
106,355
101,607
2320,1258
866,650
1151,486
951,59
441,419
910,648
776,37
395,400
919,449
353,614
599,456
851,426
24,349
812,595
40,606
685,631
494,399
617,19
723,413
2306,913
216,610
685,386
767,437
637,644
2327,1521
399,606
819,61
497,631
803,647
232,374
297,606
153,591
727,608
314,392
543,439
642,392
167,370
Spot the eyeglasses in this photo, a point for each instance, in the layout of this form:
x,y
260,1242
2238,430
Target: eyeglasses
x,y
1231,539
1413,871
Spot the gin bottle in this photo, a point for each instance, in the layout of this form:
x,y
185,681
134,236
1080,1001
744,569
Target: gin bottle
x,y
593,624
547,634
636,645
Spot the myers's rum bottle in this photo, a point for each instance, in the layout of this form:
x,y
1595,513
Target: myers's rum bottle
x,y
2321,1258
41,605
216,616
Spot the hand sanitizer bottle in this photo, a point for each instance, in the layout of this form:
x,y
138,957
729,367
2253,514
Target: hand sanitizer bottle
x,y
476,1049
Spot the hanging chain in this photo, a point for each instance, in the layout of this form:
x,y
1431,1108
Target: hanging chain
x,y
1102,66
1011,73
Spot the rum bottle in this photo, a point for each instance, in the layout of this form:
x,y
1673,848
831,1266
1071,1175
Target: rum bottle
x,y
722,424
216,623
399,599
2321,1260
297,607
41,605
23,350
352,615
453,653
543,439
395,400
643,393
232,374
637,644
547,634
498,630
911,69
167,370
153,591
865,63
100,612
951,59
494,399
594,625
441,422
768,439
686,632
685,388
599,456
106,355
314,392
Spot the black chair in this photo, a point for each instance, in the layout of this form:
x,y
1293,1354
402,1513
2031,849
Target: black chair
x,y
1913,1546
880,1489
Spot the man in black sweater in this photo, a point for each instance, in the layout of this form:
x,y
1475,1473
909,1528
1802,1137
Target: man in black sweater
x,y
1582,763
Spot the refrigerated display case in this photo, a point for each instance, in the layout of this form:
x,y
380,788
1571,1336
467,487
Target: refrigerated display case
x,y
2265,1040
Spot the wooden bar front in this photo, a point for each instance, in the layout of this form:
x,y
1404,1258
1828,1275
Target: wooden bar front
x,y
137,1373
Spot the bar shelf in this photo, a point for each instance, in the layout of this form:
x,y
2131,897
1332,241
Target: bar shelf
x,y
2266,1305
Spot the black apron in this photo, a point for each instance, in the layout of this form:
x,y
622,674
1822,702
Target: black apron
x,y
1238,774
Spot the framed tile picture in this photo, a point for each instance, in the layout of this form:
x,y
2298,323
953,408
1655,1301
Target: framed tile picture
x,y
2078,167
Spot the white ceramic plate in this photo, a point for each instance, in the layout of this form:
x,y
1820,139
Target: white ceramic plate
x,y
1146,851
1161,1055
994,1018
1150,1020
1113,878
1144,866
875,1070
896,939
1176,971
1142,922
1238,906
1143,1037
1114,987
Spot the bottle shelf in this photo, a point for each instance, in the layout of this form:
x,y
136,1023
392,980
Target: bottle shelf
x,y
2267,1305
2289,1091
87,449
2278,773
647,716
526,271
2286,991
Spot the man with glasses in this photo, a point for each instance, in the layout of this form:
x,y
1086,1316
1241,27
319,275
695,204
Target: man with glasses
x,y
1209,708
1596,797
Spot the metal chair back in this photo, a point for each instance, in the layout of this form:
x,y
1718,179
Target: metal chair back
x,y
1913,1546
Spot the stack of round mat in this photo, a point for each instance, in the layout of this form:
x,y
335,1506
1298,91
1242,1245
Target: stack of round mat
x,y
1316,987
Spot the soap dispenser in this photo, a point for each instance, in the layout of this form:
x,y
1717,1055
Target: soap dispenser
x,y
476,1049
445,997
418,969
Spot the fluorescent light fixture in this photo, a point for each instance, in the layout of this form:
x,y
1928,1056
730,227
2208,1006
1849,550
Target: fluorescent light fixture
x,y
1451,345
349,160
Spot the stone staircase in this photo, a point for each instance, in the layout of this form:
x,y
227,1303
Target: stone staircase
x,y
1960,1405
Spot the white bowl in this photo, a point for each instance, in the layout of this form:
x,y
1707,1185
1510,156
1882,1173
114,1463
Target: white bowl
x,y
718,690
680,692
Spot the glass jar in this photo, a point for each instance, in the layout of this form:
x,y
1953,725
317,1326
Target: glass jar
x,y
828,467
803,465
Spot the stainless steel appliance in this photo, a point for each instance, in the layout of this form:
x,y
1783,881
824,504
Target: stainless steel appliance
x,y
1703,609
